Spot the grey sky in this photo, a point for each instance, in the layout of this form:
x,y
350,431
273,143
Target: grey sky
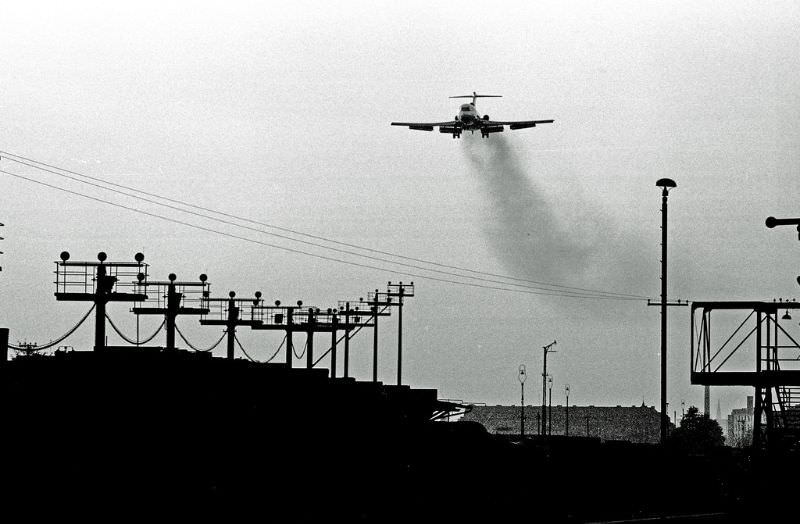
x,y
279,112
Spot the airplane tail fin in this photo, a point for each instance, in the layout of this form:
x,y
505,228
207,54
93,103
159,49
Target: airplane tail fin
x,y
475,96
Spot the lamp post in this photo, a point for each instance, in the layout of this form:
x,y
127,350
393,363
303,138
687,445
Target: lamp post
x,y
522,376
550,406
665,184
566,424
547,349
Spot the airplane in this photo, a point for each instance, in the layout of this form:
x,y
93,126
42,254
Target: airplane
x,y
468,119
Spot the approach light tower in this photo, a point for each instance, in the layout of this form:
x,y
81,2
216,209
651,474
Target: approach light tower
x,y
229,314
95,282
169,301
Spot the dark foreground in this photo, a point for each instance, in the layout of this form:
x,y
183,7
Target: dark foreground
x,y
159,434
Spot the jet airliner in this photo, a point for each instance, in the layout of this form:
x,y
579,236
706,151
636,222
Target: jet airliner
x,y
468,119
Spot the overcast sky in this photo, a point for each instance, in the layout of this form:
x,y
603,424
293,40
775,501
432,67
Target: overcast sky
x,y
279,113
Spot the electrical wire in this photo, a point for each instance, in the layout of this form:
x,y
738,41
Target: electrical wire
x,y
131,341
555,293
298,357
277,350
243,350
180,333
62,337
271,226
559,287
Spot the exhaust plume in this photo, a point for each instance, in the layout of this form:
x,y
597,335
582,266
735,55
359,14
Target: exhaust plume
x,y
521,228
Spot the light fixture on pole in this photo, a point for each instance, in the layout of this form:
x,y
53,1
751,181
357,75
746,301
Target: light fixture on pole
x,y
522,376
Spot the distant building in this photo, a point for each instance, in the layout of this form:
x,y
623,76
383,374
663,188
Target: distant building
x,y
740,425
640,424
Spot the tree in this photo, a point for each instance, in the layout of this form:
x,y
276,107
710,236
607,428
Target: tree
x,y
697,433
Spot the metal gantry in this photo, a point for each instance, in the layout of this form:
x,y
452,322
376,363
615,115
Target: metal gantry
x,y
775,362
171,299
99,282
228,313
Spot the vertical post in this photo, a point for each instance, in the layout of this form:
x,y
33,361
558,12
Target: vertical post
x,y
289,347
522,411
334,324
665,184
758,406
233,316
100,308
173,303
3,346
550,412
587,425
310,348
544,385
375,338
544,393
566,424
522,376
400,336
347,339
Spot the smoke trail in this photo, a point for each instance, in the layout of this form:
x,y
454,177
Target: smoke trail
x,y
522,229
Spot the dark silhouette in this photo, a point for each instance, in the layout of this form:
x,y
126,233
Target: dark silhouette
x,y
697,433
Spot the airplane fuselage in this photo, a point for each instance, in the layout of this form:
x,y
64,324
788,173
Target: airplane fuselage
x,y
469,117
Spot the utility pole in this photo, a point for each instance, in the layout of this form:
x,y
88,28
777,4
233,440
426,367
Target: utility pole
x,y
379,303
522,376
547,349
400,291
665,184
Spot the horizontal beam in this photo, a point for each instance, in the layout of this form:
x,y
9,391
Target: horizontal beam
x,y
164,311
225,322
744,304
746,378
111,297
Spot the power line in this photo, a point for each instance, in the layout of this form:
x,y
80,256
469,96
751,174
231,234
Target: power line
x,y
62,337
31,163
565,293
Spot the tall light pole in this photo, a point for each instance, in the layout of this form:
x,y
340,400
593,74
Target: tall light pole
x,y
522,376
566,425
547,349
665,184
550,406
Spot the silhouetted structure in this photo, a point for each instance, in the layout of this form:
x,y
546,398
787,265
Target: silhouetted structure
x,y
775,375
637,424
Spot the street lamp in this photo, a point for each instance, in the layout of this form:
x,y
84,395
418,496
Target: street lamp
x,y
550,406
547,349
566,424
522,376
665,184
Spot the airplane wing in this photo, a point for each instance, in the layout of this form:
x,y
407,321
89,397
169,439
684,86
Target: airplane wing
x,y
425,126
516,125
